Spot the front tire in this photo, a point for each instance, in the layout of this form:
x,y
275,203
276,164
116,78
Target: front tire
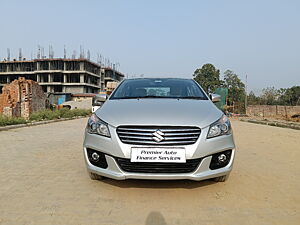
x,y
221,179
94,176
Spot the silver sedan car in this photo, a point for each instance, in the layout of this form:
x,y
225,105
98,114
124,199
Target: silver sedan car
x,y
159,128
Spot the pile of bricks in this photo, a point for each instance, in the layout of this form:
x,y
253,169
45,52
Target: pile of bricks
x,y
22,97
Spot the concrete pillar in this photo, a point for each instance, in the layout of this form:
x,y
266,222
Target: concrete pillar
x,y
38,78
50,78
81,78
7,80
81,66
65,78
65,66
37,65
48,89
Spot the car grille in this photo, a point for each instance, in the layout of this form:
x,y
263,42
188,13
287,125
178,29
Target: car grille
x,y
158,135
154,167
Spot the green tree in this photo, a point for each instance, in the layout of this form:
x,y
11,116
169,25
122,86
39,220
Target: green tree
x,y
289,96
270,96
236,88
253,99
208,77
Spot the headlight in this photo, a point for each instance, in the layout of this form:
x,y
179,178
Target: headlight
x,y
220,127
97,126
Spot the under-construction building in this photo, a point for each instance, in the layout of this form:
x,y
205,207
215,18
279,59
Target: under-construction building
x,y
60,75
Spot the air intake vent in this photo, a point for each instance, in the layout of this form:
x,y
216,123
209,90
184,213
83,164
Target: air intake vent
x,y
142,167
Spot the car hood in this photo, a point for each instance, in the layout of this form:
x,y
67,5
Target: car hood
x,y
168,112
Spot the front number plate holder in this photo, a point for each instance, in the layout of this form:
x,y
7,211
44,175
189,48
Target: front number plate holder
x,y
163,155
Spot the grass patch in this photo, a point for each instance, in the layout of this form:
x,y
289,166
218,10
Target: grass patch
x,y
46,114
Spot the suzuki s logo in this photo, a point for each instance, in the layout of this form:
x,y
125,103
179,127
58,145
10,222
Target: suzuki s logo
x,y
158,136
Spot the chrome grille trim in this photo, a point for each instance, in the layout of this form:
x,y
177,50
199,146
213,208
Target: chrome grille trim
x,y
139,135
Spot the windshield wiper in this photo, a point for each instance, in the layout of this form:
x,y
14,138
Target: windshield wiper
x,y
153,96
193,97
138,97
125,98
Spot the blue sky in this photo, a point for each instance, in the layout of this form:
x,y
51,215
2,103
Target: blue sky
x,y
167,38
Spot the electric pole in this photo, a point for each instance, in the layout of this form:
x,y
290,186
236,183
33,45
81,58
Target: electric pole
x,y
246,96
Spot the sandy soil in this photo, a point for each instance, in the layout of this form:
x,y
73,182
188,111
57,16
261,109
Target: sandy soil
x,y
43,181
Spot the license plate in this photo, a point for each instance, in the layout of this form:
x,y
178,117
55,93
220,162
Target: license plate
x,y
175,155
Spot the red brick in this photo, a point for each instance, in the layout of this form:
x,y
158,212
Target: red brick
x,y
21,98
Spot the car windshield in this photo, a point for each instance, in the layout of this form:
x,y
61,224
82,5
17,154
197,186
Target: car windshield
x,y
159,88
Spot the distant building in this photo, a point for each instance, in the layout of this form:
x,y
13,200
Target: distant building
x,y
60,75
111,75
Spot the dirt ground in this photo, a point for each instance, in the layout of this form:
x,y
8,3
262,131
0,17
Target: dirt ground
x,y
43,180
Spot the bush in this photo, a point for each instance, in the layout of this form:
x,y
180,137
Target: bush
x,y
56,114
5,121
46,114
75,112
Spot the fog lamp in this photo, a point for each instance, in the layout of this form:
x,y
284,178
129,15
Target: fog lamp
x,y
222,158
95,156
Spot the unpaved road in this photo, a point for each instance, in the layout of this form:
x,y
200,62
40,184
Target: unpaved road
x,y
43,181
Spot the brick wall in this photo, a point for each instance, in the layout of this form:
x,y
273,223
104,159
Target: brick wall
x,y
21,98
272,110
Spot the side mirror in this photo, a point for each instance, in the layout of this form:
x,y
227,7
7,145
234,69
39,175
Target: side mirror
x,y
99,99
215,98
98,103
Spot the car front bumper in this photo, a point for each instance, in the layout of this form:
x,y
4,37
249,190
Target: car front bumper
x,y
203,149
202,172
